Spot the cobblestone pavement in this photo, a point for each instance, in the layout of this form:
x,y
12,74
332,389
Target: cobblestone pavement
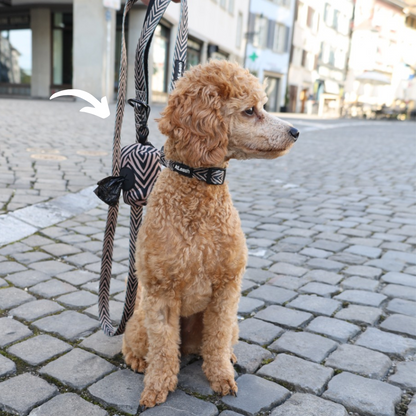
x,y
328,312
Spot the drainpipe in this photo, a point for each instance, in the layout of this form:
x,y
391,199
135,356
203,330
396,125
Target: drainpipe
x,y
248,23
295,12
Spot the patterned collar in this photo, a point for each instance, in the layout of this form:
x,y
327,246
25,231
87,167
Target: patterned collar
x,y
212,176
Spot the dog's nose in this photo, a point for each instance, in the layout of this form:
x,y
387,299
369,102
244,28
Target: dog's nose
x,y
294,133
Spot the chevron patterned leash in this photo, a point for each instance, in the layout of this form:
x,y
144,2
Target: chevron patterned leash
x,y
137,166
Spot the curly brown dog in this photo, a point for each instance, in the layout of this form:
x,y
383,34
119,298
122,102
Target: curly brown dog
x,y
191,251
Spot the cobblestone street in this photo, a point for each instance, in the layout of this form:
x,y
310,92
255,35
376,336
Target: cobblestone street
x,y
328,307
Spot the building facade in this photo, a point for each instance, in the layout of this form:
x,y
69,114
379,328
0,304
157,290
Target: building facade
x,y
269,38
319,56
382,62
51,45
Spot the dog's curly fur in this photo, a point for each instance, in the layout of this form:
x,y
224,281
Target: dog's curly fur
x,y
191,251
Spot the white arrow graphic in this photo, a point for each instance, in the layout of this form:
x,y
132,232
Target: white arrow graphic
x,y
100,109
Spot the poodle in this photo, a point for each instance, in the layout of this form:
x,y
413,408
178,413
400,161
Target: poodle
x,y
191,251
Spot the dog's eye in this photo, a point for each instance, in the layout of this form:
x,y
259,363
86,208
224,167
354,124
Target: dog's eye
x,y
249,111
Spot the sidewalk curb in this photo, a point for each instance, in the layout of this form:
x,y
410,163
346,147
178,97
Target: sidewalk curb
x,y
27,221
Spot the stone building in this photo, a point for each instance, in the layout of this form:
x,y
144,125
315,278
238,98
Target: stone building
x,y
269,38
60,44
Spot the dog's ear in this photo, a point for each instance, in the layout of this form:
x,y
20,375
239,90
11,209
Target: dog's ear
x,y
196,129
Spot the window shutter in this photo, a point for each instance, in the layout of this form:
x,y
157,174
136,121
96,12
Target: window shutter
x,y
287,40
270,33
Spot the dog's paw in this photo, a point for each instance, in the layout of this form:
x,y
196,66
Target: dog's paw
x,y
225,387
157,394
135,363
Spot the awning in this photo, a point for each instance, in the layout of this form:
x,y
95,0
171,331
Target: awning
x,y
373,77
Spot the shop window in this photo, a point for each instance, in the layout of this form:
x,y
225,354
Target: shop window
x,y
272,91
194,53
62,49
160,58
15,55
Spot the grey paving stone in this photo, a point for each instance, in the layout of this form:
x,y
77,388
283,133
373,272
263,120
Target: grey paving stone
x,y
27,278
35,309
362,297
82,259
365,251
324,276
246,285
78,277
256,394
79,299
401,306
30,257
116,310
392,344
22,393
68,404
192,378
12,297
315,304
412,407
51,267
405,376
250,357
229,413
7,367
369,242
78,369
409,258
291,258
303,375
116,286
181,404
37,241
287,282
308,405
70,325
360,314
3,283
120,390
360,283
324,264
399,279
284,316
10,249
258,332
258,276
12,331
104,345
400,324
257,262
348,258
288,269
359,360
320,289
52,288
333,328
398,291
329,245
60,249
259,242
357,394
305,345
315,252
272,294
39,349
363,271
247,305
386,264
8,267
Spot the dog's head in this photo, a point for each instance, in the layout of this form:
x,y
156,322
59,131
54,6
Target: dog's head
x,y
216,113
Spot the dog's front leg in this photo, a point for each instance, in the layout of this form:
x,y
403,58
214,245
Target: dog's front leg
x,y
162,325
219,322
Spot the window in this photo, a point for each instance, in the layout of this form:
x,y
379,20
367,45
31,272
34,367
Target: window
x,y
260,32
335,20
62,49
239,35
160,58
302,12
231,6
328,15
331,59
310,18
279,39
193,53
272,91
15,55
223,3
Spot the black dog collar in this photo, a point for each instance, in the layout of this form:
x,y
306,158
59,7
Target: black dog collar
x,y
212,176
